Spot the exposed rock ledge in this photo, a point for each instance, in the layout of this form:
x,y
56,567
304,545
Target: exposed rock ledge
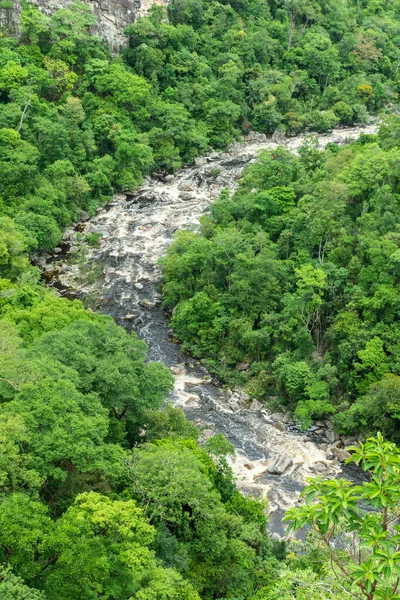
x,y
113,16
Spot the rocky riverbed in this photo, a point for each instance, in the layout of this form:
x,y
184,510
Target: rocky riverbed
x,y
121,278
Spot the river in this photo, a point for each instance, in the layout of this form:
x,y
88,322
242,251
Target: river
x,y
121,278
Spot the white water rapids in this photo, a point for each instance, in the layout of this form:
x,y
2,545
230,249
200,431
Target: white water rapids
x,y
136,231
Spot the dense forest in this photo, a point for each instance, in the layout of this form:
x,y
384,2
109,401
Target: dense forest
x,y
292,286
105,491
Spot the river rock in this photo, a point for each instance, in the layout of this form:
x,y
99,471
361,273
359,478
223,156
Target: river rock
x,y
254,136
207,434
130,317
138,286
279,426
186,195
277,416
234,406
320,467
147,304
192,401
341,455
256,406
278,137
348,440
243,366
330,435
279,464
177,370
337,444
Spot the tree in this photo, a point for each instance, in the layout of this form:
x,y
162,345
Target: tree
x,y
13,260
175,483
357,525
14,588
102,547
307,302
378,408
25,524
110,363
64,429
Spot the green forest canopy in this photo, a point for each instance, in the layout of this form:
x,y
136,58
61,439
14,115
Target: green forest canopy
x,y
103,493
77,124
297,275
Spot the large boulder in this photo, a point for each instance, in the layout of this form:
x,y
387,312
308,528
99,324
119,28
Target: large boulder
x,y
279,464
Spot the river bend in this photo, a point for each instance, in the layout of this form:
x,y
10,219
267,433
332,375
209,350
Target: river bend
x,y
121,278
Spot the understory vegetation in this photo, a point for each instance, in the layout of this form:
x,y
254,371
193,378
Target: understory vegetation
x,y
106,492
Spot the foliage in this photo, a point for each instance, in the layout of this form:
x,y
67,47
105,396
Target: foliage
x,y
357,525
296,274
103,493
77,124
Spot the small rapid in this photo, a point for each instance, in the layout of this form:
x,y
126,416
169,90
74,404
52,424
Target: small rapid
x,y
121,278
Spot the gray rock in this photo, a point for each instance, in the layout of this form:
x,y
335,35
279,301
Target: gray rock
x,y
278,137
320,431
330,435
186,195
348,440
147,304
185,187
192,401
206,434
112,17
138,286
337,444
256,406
320,467
169,178
279,464
200,161
279,426
243,366
190,385
277,416
341,454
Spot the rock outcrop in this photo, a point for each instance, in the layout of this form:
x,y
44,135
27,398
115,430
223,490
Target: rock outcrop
x,y
112,16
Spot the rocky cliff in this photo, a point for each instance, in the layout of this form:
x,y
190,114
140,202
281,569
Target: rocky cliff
x,y
112,15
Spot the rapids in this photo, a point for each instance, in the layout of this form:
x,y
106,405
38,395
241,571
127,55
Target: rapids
x,y
122,278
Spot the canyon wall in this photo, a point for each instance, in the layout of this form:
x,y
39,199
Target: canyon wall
x,y
112,15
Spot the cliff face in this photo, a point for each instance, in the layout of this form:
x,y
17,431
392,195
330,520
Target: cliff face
x,y
112,16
